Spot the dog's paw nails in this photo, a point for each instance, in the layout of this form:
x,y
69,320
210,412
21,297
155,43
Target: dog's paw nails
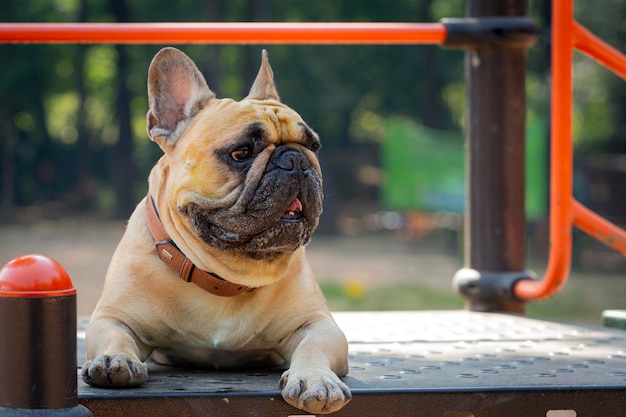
x,y
317,392
115,371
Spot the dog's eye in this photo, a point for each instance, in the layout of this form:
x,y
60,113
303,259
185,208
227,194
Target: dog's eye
x,y
242,154
315,146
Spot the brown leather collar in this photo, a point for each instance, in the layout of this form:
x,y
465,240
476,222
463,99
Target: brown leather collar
x,y
173,257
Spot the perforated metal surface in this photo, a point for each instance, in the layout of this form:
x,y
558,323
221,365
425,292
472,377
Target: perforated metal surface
x,y
457,350
430,360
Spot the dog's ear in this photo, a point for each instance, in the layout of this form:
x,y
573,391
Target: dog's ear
x,y
263,87
177,91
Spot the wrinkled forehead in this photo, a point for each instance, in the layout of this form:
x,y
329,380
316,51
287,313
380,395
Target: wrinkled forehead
x,y
275,122
279,124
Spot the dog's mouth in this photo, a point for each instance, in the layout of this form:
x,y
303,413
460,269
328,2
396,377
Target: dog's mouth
x,y
257,237
293,212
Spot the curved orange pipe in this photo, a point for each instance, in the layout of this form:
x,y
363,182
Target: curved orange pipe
x,y
565,211
561,161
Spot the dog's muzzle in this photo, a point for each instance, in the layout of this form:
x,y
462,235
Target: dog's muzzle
x,y
277,215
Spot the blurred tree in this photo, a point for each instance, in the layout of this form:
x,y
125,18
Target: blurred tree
x,y
599,94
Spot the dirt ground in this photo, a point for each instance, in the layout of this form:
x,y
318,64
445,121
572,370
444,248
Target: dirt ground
x,y
85,247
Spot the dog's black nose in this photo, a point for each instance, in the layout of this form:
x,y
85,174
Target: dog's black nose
x,y
291,160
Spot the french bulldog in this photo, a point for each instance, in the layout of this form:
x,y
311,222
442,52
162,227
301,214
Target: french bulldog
x,y
231,205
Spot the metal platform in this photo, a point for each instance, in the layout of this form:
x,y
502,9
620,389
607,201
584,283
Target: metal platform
x,y
435,364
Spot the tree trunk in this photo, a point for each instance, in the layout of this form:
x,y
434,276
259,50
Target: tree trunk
x,y
122,163
213,74
8,141
85,196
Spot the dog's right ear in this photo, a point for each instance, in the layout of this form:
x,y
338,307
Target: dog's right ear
x,y
177,91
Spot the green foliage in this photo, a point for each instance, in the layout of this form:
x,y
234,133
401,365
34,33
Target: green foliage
x,y
61,111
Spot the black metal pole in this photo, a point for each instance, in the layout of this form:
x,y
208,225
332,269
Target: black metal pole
x,y
495,227
38,340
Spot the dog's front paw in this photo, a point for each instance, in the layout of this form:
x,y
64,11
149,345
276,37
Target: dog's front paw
x,y
117,371
315,391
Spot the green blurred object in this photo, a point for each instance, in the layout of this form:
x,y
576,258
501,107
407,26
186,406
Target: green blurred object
x,y
537,177
425,168
614,318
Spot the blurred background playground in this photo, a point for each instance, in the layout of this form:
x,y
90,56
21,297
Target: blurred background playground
x,y
74,155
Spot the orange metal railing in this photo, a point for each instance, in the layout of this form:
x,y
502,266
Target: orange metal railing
x,y
224,33
565,211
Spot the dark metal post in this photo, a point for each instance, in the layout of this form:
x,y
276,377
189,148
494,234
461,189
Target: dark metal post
x,y
38,340
495,226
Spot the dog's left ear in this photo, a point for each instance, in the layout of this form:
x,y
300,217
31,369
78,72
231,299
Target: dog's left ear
x,y
263,87
177,91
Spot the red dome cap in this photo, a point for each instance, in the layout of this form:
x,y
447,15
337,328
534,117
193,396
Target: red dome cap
x,y
34,276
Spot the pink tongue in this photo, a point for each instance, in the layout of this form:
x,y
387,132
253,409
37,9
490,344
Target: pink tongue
x,y
295,206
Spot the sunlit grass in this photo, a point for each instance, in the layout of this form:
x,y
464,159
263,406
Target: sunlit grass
x,y
573,306
352,297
